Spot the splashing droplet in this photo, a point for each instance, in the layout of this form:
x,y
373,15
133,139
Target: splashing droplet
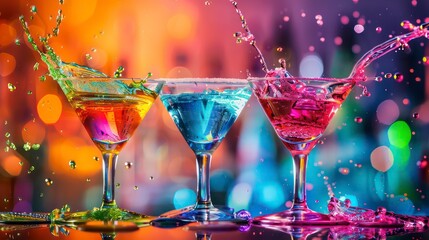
x,y
11,87
72,164
399,77
48,182
358,120
128,165
33,9
118,72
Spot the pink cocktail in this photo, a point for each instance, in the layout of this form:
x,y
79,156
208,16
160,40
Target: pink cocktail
x,y
300,109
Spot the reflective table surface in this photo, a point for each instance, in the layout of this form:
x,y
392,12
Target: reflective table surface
x,y
206,232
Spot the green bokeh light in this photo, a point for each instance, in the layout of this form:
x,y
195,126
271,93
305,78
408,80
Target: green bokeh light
x,y
399,134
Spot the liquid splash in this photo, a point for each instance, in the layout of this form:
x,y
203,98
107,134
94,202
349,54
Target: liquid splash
x,y
392,44
381,218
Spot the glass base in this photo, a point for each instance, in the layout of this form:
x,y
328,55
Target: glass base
x,y
108,215
298,217
192,214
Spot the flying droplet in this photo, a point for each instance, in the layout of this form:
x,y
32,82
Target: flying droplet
x,y
118,72
42,78
36,66
21,163
387,75
279,49
95,158
72,164
27,146
416,115
128,165
88,179
136,187
151,178
88,56
17,42
11,87
48,182
358,119
35,146
378,79
118,185
7,134
398,77
378,29
207,3
33,9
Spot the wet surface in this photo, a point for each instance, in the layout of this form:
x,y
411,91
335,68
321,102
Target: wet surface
x,y
223,231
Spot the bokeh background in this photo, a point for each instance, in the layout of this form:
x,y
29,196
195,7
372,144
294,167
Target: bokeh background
x,y
374,152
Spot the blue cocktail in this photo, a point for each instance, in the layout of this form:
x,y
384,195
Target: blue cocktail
x,y
204,111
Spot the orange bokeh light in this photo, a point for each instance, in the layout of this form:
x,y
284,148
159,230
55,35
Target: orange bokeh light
x,y
49,108
33,132
181,26
8,34
7,63
11,165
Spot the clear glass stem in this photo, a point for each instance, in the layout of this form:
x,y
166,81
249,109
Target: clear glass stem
x,y
109,166
203,181
300,167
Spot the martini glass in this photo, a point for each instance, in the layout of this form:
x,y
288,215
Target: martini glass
x,y
204,111
110,109
300,109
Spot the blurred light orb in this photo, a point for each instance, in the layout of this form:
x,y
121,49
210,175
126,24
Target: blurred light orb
x,y
184,197
359,28
399,134
382,158
8,34
387,112
7,64
272,195
240,196
33,132
11,165
181,26
49,108
311,66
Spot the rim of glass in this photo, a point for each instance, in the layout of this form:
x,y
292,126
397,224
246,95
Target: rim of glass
x,y
107,79
192,80
320,79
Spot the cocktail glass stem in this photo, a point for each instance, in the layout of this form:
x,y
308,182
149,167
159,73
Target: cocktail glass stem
x,y
109,167
203,181
300,166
